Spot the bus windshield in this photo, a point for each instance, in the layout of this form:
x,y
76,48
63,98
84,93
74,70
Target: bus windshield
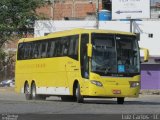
x,y
115,55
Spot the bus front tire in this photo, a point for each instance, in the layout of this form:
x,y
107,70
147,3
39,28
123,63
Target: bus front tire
x,y
120,100
79,98
27,92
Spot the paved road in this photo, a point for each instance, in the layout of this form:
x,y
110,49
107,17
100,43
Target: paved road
x,y
11,102
15,107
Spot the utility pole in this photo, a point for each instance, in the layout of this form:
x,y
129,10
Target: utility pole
x,y
97,14
131,24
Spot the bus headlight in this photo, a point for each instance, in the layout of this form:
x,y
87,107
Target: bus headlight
x,y
134,84
97,83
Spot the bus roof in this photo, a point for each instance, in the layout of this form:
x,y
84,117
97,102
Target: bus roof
x,y
73,32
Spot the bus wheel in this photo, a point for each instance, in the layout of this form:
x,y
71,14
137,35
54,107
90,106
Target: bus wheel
x,y
33,92
120,100
79,98
27,92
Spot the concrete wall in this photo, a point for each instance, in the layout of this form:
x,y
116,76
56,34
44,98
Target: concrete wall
x,y
68,8
150,76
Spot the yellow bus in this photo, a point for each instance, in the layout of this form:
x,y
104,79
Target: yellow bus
x,y
79,63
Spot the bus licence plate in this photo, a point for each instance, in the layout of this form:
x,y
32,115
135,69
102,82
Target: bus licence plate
x,y
116,91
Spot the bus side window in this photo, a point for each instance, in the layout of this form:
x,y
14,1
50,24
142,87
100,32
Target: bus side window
x,y
65,46
36,50
56,54
83,56
26,53
52,50
48,49
58,47
73,47
20,51
30,50
43,52
76,45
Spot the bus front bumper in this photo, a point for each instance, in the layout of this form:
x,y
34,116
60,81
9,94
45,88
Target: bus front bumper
x,y
111,91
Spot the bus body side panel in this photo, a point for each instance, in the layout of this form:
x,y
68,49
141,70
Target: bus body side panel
x,y
73,73
48,74
53,76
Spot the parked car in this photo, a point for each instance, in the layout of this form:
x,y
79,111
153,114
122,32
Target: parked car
x,y
7,83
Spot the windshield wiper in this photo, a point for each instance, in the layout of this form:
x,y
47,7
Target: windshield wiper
x,y
107,70
103,69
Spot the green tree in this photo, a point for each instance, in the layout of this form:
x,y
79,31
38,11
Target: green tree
x,y
16,19
17,16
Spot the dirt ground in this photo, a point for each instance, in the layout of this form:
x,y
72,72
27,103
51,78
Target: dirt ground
x,y
7,90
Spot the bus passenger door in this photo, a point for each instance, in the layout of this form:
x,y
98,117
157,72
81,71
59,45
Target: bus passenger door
x,y
84,61
72,64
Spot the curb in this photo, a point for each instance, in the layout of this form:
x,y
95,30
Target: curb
x,y
150,92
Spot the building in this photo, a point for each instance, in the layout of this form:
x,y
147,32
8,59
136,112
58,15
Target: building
x,y
155,9
80,9
69,9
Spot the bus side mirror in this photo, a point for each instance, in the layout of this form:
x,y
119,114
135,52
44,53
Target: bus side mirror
x,y
146,54
89,50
